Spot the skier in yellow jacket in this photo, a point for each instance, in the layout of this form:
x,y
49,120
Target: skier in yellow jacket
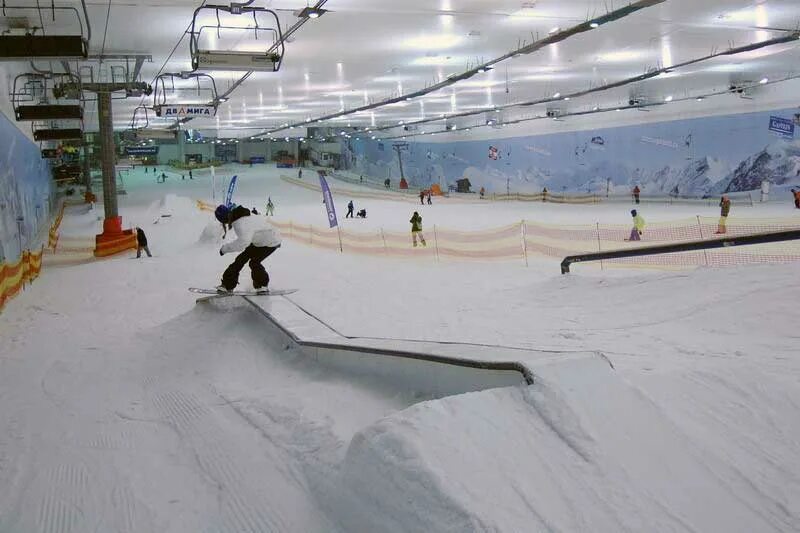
x,y
638,226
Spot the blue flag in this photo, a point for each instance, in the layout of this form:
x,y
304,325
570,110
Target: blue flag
x,y
231,187
326,195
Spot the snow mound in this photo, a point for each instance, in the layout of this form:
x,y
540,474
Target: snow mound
x,y
212,233
581,450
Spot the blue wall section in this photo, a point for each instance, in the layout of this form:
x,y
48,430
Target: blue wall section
x,y
693,157
26,188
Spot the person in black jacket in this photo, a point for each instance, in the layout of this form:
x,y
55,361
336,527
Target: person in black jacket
x,y
141,243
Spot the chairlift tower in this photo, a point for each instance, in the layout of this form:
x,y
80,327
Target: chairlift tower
x,y
399,148
118,79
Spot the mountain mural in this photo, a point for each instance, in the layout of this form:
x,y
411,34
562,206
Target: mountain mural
x,y
695,158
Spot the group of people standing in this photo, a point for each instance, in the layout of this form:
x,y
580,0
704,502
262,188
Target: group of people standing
x,y
722,226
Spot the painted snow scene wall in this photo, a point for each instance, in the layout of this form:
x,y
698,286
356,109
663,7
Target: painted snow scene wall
x,y
694,158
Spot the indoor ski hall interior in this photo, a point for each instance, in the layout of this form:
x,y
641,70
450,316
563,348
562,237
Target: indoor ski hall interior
x,y
367,266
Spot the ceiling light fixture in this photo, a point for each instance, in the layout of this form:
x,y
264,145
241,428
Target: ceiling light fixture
x,y
484,70
311,12
700,98
594,25
557,95
554,30
764,81
668,98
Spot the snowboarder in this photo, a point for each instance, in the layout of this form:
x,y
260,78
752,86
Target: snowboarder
x,y
421,197
255,240
191,176
638,227
387,183
350,208
796,194
483,192
725,209
544,194
416,229
270,207
361,179
635,193
299,173
141,243
429,198
362,214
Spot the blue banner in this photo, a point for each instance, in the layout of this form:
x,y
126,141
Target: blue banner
x,y
782,126
259,160
231,187
326,195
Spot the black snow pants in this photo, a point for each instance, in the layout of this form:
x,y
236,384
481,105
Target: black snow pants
x,y
254,255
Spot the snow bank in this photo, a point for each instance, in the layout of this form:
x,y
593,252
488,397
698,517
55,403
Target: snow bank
x,y
581,450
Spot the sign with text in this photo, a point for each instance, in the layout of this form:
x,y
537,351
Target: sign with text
x,y
782,126
181,111
141,150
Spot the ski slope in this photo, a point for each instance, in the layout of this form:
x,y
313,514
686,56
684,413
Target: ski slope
x,y
662,401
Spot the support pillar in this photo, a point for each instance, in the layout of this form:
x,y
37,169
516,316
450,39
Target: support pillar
x,y
113,239
181,146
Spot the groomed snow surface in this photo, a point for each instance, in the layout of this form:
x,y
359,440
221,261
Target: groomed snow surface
x,y
663,401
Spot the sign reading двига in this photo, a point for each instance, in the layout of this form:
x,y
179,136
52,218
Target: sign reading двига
x,y
782,126
178,111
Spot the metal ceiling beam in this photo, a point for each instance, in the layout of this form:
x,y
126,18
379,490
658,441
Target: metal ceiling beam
x,y
621,83
553,38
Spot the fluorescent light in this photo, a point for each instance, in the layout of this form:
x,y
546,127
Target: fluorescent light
x,y
764,81
594,25
668,98
700,98
433,42
557,95
566,98
555,30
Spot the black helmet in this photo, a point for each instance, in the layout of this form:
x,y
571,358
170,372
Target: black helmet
x,y
633,212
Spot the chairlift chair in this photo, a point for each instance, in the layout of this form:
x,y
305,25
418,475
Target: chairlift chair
x,y
232,60
182,108
31,101
35,43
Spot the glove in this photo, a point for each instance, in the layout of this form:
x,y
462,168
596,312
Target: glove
x,y
221,252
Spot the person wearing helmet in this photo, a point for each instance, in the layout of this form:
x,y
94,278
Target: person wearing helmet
x,y
725,209
256,240
638,226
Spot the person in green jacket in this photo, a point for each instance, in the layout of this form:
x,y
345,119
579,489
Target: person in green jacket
x,y
725,209
638,226
416,229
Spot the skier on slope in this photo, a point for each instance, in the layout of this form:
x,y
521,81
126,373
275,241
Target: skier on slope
x,y
724,211
416,229
270,207
256,240
638,226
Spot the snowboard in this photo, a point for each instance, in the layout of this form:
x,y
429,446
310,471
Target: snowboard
x,y
214,294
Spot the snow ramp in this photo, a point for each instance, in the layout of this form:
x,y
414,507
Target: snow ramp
x,y
581,450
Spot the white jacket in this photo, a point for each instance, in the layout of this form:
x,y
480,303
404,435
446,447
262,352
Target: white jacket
x,y
254,230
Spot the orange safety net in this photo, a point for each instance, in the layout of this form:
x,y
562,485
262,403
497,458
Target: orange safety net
x,y
14,277
518,242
